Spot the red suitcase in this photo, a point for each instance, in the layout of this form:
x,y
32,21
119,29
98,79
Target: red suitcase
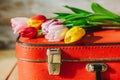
x,y
95,57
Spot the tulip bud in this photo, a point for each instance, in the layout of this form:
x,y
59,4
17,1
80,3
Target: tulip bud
x,y
18,24
50,23
29,32
74,34
36,21
54,30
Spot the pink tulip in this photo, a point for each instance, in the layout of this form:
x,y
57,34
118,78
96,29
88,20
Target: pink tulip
x,y
54,30
47,24
18,24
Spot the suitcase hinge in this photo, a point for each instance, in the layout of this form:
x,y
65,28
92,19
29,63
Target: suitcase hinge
x,y
54,61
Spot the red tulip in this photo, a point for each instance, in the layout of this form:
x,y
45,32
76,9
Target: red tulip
x,y
29,32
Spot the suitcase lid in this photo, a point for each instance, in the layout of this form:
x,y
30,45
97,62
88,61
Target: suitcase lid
x,y
98,37
97,46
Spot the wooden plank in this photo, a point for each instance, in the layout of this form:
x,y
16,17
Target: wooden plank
x,y
14,74
7,63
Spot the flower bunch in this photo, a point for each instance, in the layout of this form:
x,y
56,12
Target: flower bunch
x,y
53,30
27,27
70,27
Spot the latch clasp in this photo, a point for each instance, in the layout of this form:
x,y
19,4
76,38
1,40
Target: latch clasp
x,y
54,61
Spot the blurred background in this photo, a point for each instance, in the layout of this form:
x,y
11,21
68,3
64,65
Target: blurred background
x,y
29,8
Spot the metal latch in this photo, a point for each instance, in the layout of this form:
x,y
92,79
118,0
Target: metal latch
x,y
54,61
97,68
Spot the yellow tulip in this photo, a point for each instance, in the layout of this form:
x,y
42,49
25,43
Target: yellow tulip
x,y
34,23
74,34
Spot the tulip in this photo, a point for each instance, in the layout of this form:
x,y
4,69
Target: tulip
x,y
74,34
45,26
29,32
54,30
36,21
18,24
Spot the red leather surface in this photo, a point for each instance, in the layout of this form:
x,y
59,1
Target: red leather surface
x,y
70,70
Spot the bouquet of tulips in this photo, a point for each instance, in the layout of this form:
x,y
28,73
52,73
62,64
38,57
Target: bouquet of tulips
x,y
69,27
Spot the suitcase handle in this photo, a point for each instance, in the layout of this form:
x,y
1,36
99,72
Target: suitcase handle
x,y
97,68
54,61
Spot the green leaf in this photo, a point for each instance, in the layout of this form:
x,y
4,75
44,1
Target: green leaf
x,y
95,23
100,10
77,10
62,14
39,32
77,22
103,23
71,16
67,17
76,17
99,17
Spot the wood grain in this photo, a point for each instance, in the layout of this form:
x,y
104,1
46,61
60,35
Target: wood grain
x,y
7,63
14,74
